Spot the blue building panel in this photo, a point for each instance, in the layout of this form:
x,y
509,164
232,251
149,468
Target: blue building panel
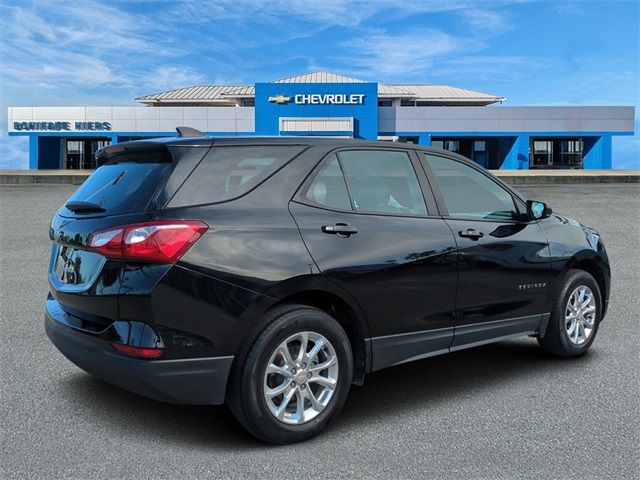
x,y
317,100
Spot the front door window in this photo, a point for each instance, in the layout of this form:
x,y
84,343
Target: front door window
x,y
469,193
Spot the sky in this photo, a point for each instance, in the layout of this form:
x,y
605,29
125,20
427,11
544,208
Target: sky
x,y
64,53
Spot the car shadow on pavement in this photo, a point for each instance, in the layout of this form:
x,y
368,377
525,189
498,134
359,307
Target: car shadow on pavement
x,y
394,391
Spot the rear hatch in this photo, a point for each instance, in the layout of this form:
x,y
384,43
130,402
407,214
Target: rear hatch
x,y
135,179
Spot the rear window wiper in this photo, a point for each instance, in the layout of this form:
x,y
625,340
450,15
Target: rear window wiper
x,y
84,207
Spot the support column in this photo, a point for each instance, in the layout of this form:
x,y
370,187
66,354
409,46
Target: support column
x,y
33,152
424,139
597,153
518,156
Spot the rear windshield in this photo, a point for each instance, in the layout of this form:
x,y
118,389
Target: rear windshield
x,y
229,172
125,183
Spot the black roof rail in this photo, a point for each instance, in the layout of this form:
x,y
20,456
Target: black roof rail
x,y
189,132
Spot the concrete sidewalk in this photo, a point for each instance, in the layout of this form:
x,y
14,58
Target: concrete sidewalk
x,y
553,177
513,177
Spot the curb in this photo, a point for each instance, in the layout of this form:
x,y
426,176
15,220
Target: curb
x,y
526,177
568,179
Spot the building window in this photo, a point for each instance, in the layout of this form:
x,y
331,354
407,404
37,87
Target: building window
x,y
484,151
542,153
556,153
248,102
407,103
570,152
385,103
452,145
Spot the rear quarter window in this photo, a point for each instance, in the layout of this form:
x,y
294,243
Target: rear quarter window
x,y
232,171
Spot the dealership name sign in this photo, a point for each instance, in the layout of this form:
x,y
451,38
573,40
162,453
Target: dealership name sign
x,y
320,99
62,126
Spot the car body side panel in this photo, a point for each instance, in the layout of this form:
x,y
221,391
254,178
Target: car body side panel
x,y
209,301
571,244
402,270
504,274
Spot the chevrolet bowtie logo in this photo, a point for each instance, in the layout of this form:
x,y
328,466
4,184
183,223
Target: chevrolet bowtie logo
x,y
280,99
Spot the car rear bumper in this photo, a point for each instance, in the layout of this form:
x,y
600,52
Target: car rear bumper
x,y
187,381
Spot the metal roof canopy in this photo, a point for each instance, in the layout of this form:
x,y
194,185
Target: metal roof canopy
x,y
225,95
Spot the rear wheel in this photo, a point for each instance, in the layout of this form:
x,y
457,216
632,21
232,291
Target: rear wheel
x,y
575,316
294,379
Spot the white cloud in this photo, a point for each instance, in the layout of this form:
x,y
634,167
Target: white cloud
x,y
570,9
14,152
297,15
465,67
77,45
380,55
167,77
492,21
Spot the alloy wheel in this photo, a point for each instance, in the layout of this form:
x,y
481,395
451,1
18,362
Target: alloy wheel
x,y
301,378
580,315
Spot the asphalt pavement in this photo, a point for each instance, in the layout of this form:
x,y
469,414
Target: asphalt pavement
x,y
502,411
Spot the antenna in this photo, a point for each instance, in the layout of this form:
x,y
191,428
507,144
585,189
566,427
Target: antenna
x,y
189,132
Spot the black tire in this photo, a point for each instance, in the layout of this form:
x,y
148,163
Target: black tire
x,y
556,339
245,395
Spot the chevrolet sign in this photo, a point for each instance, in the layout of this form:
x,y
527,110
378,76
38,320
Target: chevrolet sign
x,y
330,99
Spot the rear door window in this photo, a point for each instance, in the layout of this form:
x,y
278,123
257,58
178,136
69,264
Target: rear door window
x,y
126,183
231,171
329,188
382,181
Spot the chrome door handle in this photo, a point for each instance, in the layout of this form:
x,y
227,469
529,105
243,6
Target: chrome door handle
x,y
340,229
471,233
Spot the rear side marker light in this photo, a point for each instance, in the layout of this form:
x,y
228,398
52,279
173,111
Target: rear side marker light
x,y
138,351
163,241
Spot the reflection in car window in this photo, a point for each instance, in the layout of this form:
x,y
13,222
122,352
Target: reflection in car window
x,y
382,182
329,187
470,194
231,171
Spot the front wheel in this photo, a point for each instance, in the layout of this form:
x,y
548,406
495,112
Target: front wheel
x,y
295,378
575,316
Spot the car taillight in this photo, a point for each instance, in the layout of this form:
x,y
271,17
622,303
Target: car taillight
x,y
163,241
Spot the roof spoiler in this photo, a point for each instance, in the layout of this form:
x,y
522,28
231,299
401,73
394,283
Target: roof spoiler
x,y
189,132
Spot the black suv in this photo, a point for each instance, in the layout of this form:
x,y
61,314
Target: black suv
x,y
272,273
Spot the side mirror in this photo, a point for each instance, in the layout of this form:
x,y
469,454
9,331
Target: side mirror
x,y
537,210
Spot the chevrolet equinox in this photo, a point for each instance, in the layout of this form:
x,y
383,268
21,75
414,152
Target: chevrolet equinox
x,y
273,273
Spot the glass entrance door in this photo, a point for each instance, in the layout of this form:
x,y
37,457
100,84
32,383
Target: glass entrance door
x,y
80,154
542,153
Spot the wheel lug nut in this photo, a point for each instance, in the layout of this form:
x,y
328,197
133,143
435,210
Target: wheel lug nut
x,y
309,374
293,385
304,365
303,386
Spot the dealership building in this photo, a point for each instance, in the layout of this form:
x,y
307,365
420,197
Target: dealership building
x,y
474,124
